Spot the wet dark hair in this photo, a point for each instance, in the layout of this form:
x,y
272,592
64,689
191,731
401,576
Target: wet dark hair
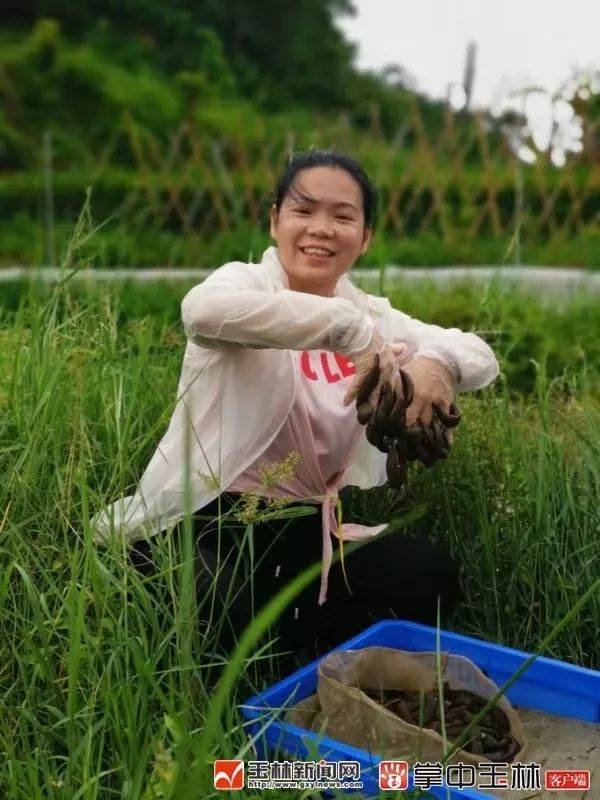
x,y
327,158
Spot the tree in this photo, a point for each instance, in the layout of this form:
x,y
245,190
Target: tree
x,y
283,52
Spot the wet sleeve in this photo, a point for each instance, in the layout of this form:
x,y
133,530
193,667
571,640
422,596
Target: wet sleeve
x,y
231,307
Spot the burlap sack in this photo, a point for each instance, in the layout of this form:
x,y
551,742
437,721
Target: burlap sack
x,y
344,712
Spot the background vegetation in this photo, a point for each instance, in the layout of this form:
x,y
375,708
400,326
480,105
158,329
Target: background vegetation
x,y
180,120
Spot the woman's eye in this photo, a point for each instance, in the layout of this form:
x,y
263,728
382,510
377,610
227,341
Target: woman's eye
x,y
345,218
303,210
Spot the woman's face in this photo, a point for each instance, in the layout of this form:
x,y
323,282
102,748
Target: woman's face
x,y
320,229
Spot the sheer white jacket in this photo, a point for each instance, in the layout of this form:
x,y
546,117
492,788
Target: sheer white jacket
x,y
237,383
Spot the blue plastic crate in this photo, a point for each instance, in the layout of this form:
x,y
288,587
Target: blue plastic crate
x,y
547,685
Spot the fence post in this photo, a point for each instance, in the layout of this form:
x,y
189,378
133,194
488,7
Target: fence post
x,y
518,208
48,170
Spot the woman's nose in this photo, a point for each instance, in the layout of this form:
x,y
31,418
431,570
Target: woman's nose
x,y
320,226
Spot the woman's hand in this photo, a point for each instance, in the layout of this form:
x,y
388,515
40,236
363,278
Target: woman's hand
x,y
364,361
433,385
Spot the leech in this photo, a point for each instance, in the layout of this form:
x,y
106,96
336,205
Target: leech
x,y
386,426
369,384
451,418
408,387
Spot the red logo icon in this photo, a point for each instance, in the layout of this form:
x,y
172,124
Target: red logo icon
x,y
393,775
558,780
229,774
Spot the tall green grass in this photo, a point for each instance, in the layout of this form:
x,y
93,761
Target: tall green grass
x,y
108,686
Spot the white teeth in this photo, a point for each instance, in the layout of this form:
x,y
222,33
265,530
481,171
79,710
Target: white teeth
x,y
316,251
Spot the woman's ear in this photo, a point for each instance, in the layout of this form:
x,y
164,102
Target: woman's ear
x,y
368,235
274,218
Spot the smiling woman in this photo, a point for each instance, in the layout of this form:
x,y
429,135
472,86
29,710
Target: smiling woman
x,y
257,417
322,220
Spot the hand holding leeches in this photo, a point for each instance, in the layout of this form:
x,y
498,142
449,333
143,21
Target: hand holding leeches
x,y
368,382
434,389
405,424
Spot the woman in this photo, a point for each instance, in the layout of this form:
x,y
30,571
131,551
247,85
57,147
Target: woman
x,y
276,354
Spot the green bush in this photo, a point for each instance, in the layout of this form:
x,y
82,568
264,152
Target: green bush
x,y
79,93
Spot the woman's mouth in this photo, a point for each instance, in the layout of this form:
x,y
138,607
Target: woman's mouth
x,y
317,252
